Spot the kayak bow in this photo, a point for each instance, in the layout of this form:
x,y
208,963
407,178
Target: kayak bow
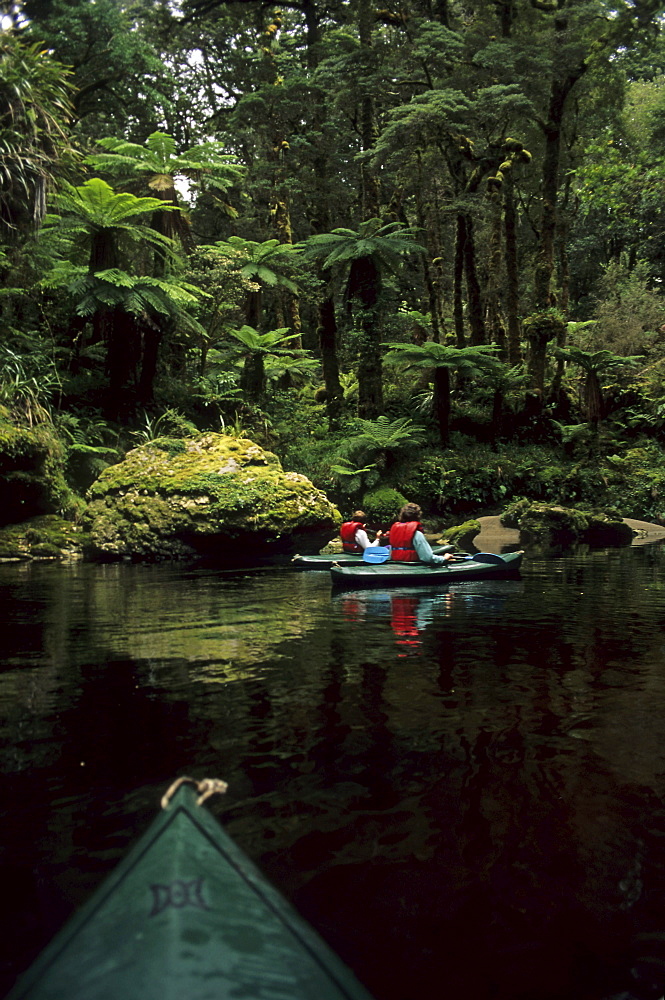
x,y
187,916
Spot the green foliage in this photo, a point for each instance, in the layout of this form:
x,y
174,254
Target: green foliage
x,y
595,361
208,162
93,207
544,326
269,263
383,505
171,424
113,52
466,360
35,109
354,480
262,343
137,295
385,244
28,383
383,439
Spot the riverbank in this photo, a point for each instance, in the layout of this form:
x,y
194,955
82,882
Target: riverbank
x,y
494,537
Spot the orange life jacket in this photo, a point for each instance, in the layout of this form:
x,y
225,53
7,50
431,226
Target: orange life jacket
x,y
348,535
401,541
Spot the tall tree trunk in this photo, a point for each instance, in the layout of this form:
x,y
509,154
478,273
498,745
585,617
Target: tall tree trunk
x,y
442,403
327,326
494,319
120,362
473,294
512,272
564,284
458,277
370,375
364,288
539,333
327,332
253,378
369,129
430,279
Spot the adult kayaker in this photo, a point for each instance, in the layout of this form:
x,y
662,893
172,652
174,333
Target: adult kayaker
x,y
354,534
407,541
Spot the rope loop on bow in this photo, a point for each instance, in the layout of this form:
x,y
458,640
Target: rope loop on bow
x,y
205,787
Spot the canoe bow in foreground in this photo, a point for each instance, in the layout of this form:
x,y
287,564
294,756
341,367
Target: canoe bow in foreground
x,y
482,566
187,916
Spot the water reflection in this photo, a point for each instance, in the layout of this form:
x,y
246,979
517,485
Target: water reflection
x,y
412,609
462,790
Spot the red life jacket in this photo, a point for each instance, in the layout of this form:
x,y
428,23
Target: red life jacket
x,y
348,534
401,541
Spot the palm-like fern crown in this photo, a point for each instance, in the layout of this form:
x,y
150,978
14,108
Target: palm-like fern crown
x,y
468,360
386,245
160,159
596,361
383,434
96,203
272,342
270,263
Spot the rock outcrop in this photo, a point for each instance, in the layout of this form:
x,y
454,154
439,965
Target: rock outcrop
x,y
554,525
212,495
31,471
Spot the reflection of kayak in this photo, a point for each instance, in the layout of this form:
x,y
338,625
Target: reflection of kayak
x,y
481,566
186,915
347,559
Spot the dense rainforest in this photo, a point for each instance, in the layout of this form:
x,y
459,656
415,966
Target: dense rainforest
x,y
417,251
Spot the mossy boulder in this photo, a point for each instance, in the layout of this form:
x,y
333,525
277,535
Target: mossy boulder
x,y
554,525
214,495
461,535
31,471
44,537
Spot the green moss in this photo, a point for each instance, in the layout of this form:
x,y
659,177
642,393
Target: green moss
x,y
45,536
32,478
462,534
172,446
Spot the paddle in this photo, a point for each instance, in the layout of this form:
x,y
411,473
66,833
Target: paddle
x,y
377,554
381,554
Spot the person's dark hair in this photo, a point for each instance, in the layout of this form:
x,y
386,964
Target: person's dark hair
x,y
359,515
410,512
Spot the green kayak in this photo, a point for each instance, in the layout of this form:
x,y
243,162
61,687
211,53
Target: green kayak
x,y
347,559
481,566
186,916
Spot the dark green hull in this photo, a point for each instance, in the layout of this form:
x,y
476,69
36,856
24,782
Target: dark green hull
x,y
416,575
186,916
346,559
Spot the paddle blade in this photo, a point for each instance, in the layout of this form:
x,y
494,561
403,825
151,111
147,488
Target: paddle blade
x,y
377,554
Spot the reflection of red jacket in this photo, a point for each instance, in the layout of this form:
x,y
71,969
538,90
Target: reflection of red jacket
x,y
401,541
348,533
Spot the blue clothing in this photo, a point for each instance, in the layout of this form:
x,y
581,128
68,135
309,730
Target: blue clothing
x,y
424,551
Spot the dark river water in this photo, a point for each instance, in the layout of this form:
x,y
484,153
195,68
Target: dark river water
x,y
461,789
